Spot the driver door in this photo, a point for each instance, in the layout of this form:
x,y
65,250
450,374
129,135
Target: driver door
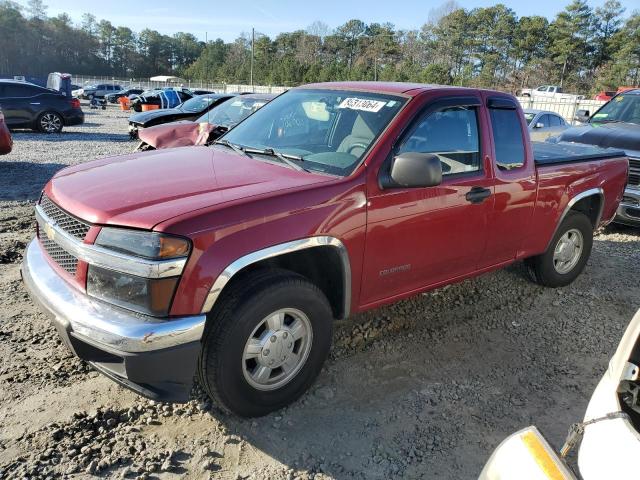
x,y
421,237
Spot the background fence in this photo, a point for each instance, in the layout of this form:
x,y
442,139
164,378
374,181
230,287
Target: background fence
x,y
145,84
567,108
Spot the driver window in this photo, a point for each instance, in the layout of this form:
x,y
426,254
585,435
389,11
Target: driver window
x,y
451,134
308,121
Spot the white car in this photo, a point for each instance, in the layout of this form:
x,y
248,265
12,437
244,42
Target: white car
x,y
610,429
608,445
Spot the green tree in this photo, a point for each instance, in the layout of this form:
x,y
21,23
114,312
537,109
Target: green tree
x,y
571,45
607,20
37,9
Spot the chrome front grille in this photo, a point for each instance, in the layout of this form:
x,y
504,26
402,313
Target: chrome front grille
x,y
70,225
634,172
65,221
59,255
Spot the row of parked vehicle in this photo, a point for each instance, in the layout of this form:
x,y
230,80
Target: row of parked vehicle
x,y
198,121
162,97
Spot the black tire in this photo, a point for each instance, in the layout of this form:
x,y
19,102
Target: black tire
x,y
50,122
143,147
542,268
232,322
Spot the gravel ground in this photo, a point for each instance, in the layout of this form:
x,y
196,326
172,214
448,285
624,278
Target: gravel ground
x,y
425,388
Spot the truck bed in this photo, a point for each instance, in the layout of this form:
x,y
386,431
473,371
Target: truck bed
x,y
546,153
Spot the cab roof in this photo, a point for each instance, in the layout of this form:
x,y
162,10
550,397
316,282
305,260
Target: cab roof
x,y
381,87
411,89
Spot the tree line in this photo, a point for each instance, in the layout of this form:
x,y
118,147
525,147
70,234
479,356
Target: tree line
x,y
583,49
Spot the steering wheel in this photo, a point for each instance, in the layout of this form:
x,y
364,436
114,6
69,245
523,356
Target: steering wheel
x,y
356,145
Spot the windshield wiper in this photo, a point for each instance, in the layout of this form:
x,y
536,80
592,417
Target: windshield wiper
x,y
233,146
283,157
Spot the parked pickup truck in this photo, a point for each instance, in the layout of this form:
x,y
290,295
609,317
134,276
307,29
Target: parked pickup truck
x,y
615,125
233,260
548,91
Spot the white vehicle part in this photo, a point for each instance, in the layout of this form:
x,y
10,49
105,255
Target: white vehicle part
x,y
607,446
525,455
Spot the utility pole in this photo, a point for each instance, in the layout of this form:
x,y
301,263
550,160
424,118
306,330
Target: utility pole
x,y
253,41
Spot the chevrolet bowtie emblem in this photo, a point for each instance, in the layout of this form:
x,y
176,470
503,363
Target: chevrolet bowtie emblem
x,y
50,230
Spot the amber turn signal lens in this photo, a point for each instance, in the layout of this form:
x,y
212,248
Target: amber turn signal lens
x,y
171,247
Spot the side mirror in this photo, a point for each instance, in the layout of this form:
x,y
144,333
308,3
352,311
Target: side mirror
x,y
413,169
582,116
539,125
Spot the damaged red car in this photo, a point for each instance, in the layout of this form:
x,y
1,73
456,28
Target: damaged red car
x,y
205,129
6,143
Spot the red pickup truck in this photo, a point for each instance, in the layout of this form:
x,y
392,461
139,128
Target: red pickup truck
x,y
231,261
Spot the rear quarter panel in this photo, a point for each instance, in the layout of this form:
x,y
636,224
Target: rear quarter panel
x,y
558,184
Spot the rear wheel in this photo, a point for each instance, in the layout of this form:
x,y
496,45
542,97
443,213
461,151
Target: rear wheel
x,y
567,254
266,342
50,122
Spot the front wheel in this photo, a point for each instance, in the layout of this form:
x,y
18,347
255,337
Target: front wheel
x,y
567,254
266,342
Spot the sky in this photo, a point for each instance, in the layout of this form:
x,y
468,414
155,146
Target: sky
x,y
226,20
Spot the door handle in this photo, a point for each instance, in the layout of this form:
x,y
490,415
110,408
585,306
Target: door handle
x,y
477,194
34,103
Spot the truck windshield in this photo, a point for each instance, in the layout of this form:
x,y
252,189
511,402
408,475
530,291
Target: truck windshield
x,y
328,130
622,108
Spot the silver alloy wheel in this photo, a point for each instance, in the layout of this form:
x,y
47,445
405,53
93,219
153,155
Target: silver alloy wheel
x,y
51,122
277,349
568,251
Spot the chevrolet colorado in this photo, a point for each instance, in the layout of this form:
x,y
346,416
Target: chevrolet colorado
x,y
231,261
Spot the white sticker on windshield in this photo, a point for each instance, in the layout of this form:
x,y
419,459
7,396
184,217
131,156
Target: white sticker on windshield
x,y
362,104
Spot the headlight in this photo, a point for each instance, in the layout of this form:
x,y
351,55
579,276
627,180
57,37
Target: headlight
x,y
150,296
152,245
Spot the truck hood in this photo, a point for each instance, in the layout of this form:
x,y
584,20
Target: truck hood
x,y
625,136
141,190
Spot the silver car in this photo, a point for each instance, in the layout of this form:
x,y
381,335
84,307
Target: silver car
x,y
543,124
98,91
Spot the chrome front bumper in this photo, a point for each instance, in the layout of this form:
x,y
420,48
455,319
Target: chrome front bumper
x,y
155,357
629,209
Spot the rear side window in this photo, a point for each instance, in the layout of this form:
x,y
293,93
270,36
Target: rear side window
x,y
508,139
556,121
11,90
